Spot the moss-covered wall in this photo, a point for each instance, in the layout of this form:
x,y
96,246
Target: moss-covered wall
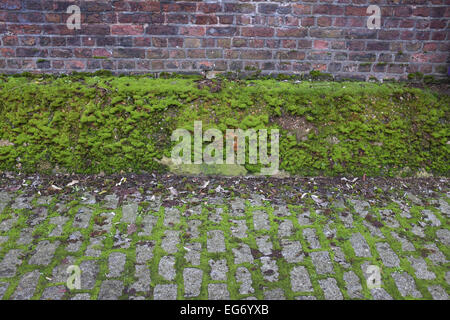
x,y
105,123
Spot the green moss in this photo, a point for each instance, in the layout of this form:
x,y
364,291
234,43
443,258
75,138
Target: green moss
x,y
104,123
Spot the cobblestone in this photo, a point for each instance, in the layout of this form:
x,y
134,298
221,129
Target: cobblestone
x,y
388,256
110,290
406,285
360,245
300,281
218,291
219,269
165,292
192,282
322,262
27,286
330,289
167,267
116,264
157,246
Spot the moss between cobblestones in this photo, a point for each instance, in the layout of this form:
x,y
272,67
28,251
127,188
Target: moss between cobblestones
x,y
103,123
318,220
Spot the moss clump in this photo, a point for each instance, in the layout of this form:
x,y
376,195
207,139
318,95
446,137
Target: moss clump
x,y
105,123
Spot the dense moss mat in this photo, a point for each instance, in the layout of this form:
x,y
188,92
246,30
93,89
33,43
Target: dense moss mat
x,y
105,123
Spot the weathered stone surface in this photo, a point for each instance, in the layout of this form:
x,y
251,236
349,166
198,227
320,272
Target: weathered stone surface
x,y
269,269
170,241
242,254
8,266
405,284
443,236
388,256
193,228
237,207
434,254
75,241
261,220
421,269
94,249
406,244
444,207
281,211
7,224
300,281
437,292
244,278
171,217
264,244
239,229
3,287
322,262
144,251
53,293
292,251
88,198
3,239
148,222
111,201
116,264
380,294
142,273
27,286
110,290
192,282
274,294
89,272
305,298
129,212
346,218
418,231
374,231
310,236
218,291
5,198
431,218
82,218
21,203
215,241
216,215
106,224
193,253
81,296
167,267
39,215
165,292
304,218
354,288
219,269
275,254
330,289
360,245
360,207
339,257
285,228
59,222
44,253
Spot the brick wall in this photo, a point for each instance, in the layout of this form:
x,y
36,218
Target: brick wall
x,y
229,35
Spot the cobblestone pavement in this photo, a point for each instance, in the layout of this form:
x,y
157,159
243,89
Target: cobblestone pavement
x,y
166,237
